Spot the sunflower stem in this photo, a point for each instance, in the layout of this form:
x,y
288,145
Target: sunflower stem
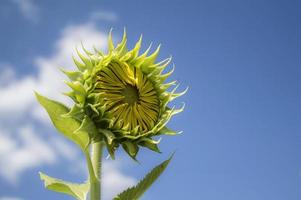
x,y
95,179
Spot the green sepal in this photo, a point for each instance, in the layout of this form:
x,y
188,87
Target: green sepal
x,y
121,47
76,86
111,149
131,149
163,77
160,66
110,42
137,47
102,109
108,135
91,107
152,58
163,64
150,144
87,61
165,86
103,122
176,111
167,131
80,66
95,98
135,130
173,95
85,50
165,119
65,125
72,75
79,91
78,191
87,127
134,193
109,140
71,95
76,112
140,59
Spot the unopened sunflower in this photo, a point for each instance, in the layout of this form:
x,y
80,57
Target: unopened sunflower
x,y
124,94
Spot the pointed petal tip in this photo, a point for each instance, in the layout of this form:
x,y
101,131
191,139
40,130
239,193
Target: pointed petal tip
x,y
110,41
159,46
36,93
107,157
85,50
62,69
150,46
110,31
172,155
139,40
124,32
179,133
184,92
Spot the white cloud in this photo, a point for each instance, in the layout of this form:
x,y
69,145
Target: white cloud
x,y
17,96
28,9
7,144
24,152
6,74
22,148
64,149
114,181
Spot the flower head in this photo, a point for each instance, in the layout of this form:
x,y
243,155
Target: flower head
x,y
124,94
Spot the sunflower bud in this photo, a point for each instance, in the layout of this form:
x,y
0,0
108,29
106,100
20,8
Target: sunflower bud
x,y
124,94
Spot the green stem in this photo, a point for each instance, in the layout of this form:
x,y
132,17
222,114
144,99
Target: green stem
x,y
95,178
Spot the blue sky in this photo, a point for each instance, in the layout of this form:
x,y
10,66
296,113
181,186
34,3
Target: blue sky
x,y
242,123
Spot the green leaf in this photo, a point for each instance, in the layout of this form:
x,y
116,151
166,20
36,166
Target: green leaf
x,y
78,191
134,193
66,125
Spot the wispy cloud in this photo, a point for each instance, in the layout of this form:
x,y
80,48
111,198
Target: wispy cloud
x,y
114,181
29,9
24,152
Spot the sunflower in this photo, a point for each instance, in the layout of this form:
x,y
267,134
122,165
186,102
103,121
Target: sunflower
x,y
129,95
124,94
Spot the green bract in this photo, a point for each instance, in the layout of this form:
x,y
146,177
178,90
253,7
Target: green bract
x,y
124,94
